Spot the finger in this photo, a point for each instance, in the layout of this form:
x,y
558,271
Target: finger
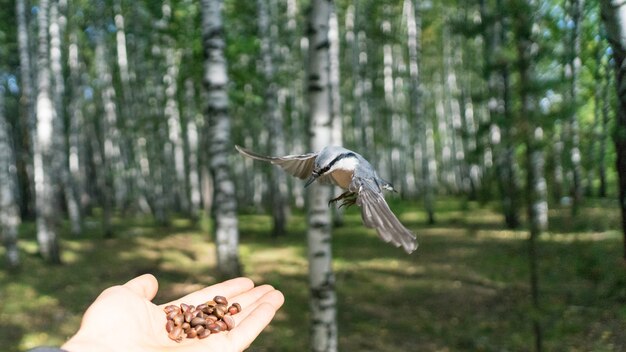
x,y
252,326
273,297
245,299
229,288
145,285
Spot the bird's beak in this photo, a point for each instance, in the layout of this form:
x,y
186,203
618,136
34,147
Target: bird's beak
x,y
313,177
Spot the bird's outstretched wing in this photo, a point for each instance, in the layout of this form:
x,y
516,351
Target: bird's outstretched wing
x,y
376,214
300,166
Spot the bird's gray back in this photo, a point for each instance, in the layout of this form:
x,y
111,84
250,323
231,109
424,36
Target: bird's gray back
x,y
330,152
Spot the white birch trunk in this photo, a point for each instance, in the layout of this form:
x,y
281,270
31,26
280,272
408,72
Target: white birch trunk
x,y
27,98
321,277
573,68
76,138
274,117
128,113
425,133
193,143
604,130
9,209
57,29
172,113
334,80
216,82
351,135
45,200
293,93
557,147
363,91
112,187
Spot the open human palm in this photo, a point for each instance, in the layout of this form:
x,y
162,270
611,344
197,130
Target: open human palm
x,y
123,318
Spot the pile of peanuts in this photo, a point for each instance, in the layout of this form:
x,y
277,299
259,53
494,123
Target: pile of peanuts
x,y
207,318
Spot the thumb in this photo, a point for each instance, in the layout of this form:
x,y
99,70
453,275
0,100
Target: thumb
x,y
145,286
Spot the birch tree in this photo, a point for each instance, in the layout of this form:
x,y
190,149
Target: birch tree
x,y
193,175
273,116
57,29
606,82
9,209
27,98
111,185
76,121
414,33
572,73
46,203
321,277
614,17
217,118
175,130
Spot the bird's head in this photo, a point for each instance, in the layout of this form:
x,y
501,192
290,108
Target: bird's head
x,y
331,159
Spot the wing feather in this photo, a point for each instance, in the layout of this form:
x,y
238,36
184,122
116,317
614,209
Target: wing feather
x,y
376,214
300,166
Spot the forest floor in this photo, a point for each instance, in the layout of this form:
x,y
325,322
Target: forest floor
x,y
465,289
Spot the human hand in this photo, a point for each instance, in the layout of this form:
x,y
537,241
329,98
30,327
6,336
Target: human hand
x,y
123,318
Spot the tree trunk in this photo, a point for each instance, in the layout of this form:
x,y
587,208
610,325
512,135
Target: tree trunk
x,y
45,175
538,218
9,208
193,144
27,100
363,129
57,29
334,81
572,73
128,113
274,117
614,17
424,128
175,130
76,122
220,146
603,140
321,277
112,187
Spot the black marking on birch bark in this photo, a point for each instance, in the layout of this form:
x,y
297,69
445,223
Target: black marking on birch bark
x,y
213,33
213,110
325,44
319,254
322,291
310,30
319,224
315,88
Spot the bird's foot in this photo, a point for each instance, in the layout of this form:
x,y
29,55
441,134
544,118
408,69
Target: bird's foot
x,y
348,198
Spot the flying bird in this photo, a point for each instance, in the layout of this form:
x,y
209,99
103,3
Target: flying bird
x,y
362,185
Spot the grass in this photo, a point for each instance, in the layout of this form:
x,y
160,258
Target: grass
x,y
465,289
